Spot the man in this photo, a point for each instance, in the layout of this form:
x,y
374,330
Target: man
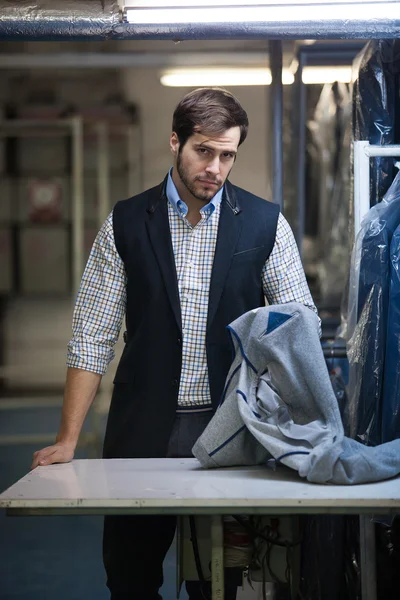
x,y
180,261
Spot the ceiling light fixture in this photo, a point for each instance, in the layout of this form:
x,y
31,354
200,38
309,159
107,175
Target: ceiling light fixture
x,y
220,77
200,77
326,74
159,12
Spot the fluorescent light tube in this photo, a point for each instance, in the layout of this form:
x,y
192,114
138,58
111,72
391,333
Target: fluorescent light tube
x,y
200,77
326,74
254,13
202,3
220,77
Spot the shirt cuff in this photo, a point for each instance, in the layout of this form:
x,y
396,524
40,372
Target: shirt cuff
x,y
89,359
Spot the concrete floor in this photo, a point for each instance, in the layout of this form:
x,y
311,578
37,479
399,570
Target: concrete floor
x,y
51,558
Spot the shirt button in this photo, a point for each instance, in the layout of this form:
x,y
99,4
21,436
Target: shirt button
x,y
175,383
179,341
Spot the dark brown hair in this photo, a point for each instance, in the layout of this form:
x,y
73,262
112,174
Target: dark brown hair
x,y
209,111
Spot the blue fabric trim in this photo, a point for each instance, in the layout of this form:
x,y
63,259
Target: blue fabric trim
x,y
276,319
227,386
227,441
233,332
278,460
233,349
245,399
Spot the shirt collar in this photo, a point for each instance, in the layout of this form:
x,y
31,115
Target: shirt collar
x,y
180,206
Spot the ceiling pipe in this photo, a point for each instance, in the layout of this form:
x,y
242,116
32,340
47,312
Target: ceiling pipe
x,y
60,20
119,60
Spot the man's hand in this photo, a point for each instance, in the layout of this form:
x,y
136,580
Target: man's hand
x,y
80,389
59,453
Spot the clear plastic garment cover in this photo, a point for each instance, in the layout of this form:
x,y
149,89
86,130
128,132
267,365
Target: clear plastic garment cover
x,y
331,132
375,97
367,328
391,379
375,118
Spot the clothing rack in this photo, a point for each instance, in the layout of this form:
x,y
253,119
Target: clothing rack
x,y
363,152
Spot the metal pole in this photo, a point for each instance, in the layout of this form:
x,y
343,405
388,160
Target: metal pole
x,y
362,154
14,124
132,153
388,150
103,172
217,558
301,159
275,52
361,183
77,203
141,152
367,558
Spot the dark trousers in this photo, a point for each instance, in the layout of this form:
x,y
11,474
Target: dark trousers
x,y
134,547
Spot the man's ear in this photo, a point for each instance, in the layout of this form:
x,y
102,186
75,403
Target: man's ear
x,y
174,144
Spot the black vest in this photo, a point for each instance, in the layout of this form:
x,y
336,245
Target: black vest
x,y
146,384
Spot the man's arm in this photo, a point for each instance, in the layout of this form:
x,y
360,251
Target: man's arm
x,y
98,315
80,390
283,275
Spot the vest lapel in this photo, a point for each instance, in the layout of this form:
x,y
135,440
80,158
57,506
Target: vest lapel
x,y
229,228
157,225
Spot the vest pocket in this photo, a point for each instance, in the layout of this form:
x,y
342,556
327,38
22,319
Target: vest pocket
x,y
249,250
252,257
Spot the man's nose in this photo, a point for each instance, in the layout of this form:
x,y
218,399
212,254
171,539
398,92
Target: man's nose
x,y
213,166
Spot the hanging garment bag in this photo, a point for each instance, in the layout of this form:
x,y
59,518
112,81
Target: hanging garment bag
x,y
369,301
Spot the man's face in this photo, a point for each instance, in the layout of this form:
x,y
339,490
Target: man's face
x,y
204,162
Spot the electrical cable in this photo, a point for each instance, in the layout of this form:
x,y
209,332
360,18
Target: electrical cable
x,y
265,562
271,540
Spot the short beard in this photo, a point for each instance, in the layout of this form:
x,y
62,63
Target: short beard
x,y
205,197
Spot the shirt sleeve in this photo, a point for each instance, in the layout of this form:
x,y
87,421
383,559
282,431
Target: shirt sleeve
x,y
100,305
283,275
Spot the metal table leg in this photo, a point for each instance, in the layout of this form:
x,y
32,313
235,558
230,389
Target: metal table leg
x,y
217,558
367,558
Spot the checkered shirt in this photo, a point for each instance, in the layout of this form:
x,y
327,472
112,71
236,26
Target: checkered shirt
x,y
101,302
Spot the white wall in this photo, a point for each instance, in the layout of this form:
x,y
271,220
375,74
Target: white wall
x,y
37,331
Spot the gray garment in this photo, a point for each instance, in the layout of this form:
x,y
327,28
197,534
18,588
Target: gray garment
x,y
279,405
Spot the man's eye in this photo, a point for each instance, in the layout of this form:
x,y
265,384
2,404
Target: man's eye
x,y
228,155
202,150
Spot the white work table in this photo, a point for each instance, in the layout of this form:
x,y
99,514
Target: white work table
x,y
181,486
